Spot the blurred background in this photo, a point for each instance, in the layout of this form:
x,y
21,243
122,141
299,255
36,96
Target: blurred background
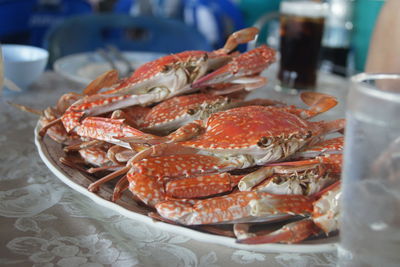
x,y
348,27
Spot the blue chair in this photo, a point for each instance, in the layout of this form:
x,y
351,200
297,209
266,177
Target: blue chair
x,y
216,19
26,21
86,33
14,20
45,15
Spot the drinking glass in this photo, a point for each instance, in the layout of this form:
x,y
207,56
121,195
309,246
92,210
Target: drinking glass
x,y
301,30
370,218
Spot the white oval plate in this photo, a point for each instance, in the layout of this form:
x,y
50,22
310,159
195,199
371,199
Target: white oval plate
x,y
85,67
50,152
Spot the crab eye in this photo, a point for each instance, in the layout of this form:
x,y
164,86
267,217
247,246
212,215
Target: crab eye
x,y
191,111
166,68
264,141
308,135
277,180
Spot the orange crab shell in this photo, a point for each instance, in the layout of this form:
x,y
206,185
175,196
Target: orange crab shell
x,y
180,106
153,68
250,126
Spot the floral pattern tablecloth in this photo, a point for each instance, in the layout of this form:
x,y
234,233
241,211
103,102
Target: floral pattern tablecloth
x,y
46,223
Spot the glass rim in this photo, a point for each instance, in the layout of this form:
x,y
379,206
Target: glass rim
x,y
373,91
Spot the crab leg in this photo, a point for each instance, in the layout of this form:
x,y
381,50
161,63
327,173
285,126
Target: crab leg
x,y
94,187
119,154
318,103
120,187
237,38
105,168
240,85
83,145
106,79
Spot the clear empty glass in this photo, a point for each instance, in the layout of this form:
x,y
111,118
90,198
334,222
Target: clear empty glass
x,y
370,223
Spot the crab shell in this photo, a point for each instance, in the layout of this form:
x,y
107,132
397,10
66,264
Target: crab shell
x,y
177,111
266,134
167,71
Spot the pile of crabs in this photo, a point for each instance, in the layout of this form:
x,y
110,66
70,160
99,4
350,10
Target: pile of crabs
x,y
180,136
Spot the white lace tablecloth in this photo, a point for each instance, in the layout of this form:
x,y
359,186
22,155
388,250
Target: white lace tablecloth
x,y
46,223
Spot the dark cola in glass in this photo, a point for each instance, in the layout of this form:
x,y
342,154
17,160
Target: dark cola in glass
x,y
301,30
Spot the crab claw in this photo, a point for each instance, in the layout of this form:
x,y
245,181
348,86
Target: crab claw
x,y
232,208
326,209
113,131
99,104
243,66
325,147
325,217
291,233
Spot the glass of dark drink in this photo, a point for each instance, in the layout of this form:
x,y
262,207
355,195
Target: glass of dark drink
x,y
301,30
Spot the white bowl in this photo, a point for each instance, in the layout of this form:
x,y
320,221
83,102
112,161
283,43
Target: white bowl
x,y
23,64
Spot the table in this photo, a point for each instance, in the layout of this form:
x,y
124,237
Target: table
x,y
45,223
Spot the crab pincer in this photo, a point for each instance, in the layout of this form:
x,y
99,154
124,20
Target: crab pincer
x,y
233,208
324,218
243,69
305,177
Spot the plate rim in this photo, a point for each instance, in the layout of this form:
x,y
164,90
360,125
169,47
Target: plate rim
x,y
176,229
